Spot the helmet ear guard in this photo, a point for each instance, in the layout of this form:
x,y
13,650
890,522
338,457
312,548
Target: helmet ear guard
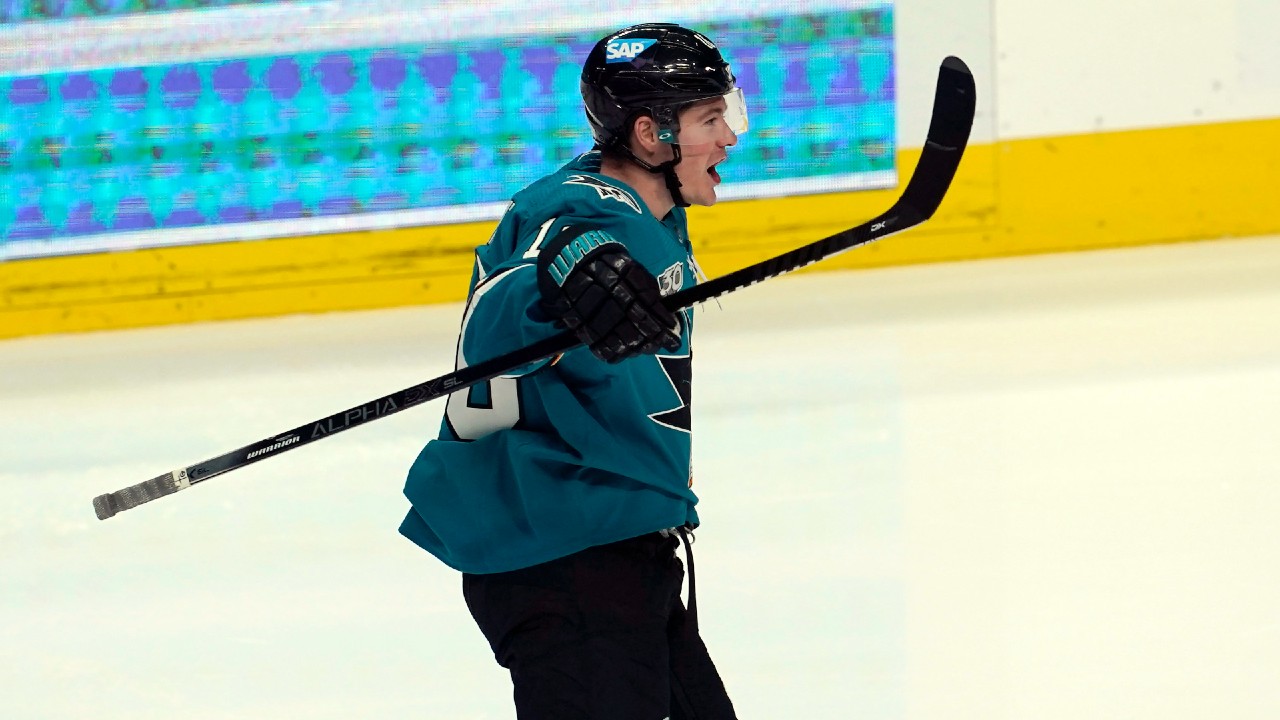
x,y
668,123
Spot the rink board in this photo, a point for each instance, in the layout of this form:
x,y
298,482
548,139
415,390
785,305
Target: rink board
x,y
1052,194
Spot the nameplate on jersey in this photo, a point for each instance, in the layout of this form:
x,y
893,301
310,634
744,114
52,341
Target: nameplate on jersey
x,y
605,190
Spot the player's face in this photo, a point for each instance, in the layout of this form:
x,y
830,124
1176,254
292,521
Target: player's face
x,y
704,137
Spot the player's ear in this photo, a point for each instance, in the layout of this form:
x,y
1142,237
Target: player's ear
x,y
644,135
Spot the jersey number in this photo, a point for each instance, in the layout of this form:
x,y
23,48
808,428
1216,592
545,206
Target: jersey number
x,y
485,407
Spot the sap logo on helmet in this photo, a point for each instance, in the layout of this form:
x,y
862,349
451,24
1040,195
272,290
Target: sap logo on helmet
x,y
626,50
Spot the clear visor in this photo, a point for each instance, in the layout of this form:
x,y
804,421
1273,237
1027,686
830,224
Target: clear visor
x,y
735,116
735,112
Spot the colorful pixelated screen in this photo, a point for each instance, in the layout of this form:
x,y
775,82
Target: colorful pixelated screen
x,y
16,11
438,131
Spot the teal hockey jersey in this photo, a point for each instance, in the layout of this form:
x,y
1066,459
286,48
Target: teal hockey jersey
x,y
567,454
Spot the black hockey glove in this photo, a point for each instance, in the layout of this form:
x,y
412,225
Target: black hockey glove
x,y
591,283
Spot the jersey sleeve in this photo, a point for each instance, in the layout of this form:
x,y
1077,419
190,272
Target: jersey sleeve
x,y
504,315
504,312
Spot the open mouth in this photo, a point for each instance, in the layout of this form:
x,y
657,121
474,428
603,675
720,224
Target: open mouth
x,y
715,175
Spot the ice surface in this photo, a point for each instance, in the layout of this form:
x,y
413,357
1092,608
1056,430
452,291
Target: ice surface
x,y
1041,487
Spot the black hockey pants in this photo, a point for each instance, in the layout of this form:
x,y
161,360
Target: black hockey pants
x,y
601,635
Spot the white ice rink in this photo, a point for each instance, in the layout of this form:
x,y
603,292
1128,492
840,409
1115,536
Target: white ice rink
x,y
1041,488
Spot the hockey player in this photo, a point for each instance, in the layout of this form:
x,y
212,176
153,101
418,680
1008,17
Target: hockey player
x,y
562,491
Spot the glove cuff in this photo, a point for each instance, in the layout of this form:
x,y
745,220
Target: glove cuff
x,y
572,246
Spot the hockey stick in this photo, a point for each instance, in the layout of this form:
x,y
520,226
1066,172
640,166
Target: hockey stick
x,y
949,129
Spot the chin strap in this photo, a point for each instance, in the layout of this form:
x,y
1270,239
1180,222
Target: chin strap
x,y
668,171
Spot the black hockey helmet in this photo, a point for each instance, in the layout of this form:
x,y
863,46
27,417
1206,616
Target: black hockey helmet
x,y
654,69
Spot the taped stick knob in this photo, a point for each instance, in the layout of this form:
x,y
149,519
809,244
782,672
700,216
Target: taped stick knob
x,y
108,505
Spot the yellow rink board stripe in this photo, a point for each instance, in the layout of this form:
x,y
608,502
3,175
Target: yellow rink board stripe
x,y
1065,193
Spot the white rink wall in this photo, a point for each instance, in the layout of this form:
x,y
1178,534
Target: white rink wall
x,y
1054,68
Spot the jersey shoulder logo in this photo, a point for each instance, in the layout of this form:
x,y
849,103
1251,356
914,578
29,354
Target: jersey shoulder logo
x,y
605,190
626,50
